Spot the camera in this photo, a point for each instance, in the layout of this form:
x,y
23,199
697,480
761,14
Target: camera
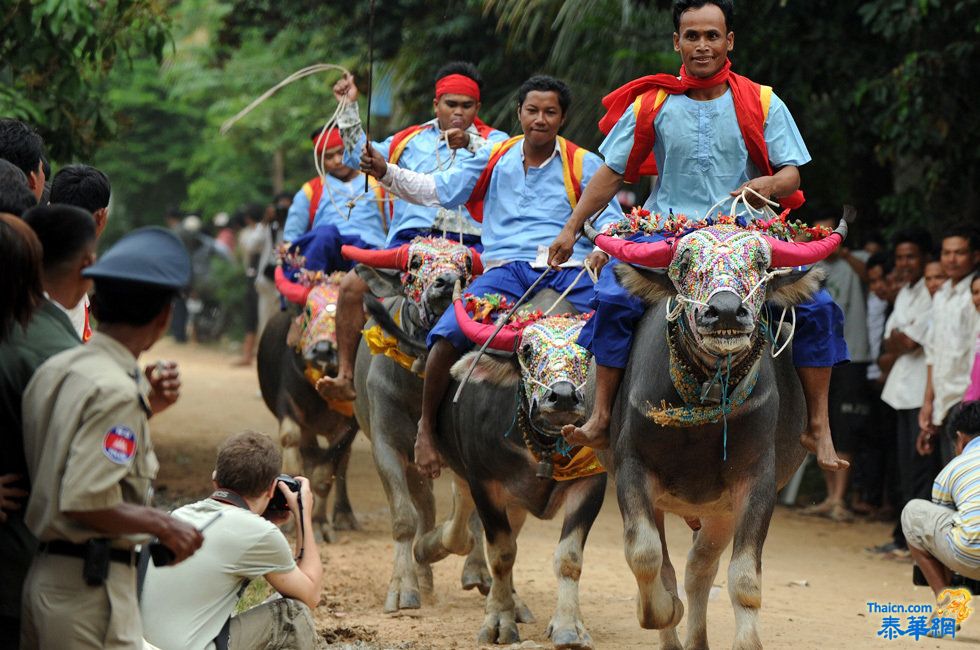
x,y
277,505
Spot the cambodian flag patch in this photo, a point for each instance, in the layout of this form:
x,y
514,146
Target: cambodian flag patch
x,y
119,444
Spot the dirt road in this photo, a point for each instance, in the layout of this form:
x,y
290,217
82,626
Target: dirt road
x,y
817,579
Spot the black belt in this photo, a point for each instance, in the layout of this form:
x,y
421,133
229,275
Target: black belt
x,y
61,547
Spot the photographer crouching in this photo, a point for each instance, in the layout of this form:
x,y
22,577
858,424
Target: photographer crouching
x,y
190,605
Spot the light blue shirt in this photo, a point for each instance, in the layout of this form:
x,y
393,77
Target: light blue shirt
x,y
425,153
365,218
521,211
700,153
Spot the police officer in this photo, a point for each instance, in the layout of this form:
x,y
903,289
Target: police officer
x,y
91,459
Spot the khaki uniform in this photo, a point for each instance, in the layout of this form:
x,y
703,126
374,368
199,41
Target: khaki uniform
x,y
87,444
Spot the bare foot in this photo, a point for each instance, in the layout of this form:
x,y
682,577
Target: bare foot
x,y
239,363
427,458
338,388
594,433
821,509
820,444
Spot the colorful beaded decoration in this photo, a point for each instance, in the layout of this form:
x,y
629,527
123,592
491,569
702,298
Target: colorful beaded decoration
x,y
430,257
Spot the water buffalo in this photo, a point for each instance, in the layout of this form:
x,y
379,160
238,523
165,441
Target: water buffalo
x,y
513,406
287,387
712,428
389,395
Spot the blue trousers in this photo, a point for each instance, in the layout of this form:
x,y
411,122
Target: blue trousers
x,y
818,341
321,248
512,280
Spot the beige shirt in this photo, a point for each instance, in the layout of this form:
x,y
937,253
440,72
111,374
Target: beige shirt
x,y
906,383
86,439
950,345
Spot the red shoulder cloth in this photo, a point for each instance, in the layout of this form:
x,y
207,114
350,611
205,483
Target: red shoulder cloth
x,y
483,128
316,185
646,96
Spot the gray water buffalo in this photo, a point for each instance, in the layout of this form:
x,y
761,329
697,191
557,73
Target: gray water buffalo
x,y
287,388
709,428
389,395
502,440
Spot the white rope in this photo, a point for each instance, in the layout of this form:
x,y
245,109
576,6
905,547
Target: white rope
x,y
775,338
568,290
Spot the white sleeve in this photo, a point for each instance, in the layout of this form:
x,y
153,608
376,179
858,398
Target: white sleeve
x,y
412,186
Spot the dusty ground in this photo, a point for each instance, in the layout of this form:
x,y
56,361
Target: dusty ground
x,y
830,611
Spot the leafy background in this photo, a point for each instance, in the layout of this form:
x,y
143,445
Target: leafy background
x,y
880,89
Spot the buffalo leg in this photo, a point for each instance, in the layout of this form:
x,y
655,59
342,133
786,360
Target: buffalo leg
x,y
501,527
290,437
582,504
475,571
460,534
656,607
754,504
668,635
702,567
343,515
403,589
425,506
321,481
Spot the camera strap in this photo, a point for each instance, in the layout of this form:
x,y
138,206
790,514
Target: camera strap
x,y
231,498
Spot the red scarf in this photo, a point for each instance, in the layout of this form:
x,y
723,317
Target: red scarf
x,y
746,94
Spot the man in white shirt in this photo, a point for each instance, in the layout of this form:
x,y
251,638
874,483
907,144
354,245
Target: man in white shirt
x,y
950,344
903,359
189,606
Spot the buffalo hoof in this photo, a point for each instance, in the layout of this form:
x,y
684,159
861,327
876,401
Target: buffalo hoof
x,y
345,520
499,627
573,636
476,576
404,599
424,574
522,612
326,533
650,620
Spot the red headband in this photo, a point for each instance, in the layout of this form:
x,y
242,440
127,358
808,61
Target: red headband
x,y
457,84
329,141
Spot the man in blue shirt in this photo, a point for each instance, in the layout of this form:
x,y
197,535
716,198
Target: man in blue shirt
x,y
525,190
450,138
705,154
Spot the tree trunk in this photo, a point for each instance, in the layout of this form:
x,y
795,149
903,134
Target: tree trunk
x,y
278,171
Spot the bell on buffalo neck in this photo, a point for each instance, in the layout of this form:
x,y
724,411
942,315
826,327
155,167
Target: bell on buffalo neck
x,y
711,392
545,469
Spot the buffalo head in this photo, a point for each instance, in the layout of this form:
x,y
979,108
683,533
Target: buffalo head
x,y
543,357
720,277
430,268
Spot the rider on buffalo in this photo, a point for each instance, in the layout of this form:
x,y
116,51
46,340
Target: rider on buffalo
x,y
707,136
523,190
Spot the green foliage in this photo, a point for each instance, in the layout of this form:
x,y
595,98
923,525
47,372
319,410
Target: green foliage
x,y
55,56
229,285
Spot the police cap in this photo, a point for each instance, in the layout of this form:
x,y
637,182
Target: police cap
x,y
150,255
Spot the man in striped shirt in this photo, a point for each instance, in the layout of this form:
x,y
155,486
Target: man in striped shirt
x,y
944,535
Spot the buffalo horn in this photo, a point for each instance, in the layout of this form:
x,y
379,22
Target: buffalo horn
x,y
389,258
789,254
505,341
653,255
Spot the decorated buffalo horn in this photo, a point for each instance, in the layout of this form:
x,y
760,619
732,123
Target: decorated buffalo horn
x,y
477,262
653,255
788,254
390,258
294,292
505,341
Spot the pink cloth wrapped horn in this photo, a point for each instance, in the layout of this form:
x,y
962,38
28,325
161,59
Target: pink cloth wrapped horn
x,y
505,341
477,262
292,291
787,253
654,255
390,258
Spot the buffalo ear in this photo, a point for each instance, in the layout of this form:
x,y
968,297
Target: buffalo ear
x,y
490,369
649,285
795,287
382,283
